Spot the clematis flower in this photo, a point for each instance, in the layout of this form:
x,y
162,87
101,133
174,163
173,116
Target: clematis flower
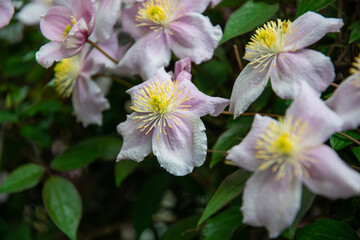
x,y
346,98
166,120
67,26
162,26
6,12
31,12
286,153
277,51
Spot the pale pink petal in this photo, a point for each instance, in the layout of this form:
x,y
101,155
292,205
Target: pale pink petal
x,y
270,202
183,147
309,28
77,36
146,56
183,65
321,121
247,88
136,144
54,23
346,102
88,101
6,12
65,3
85,9
215,2
129,23
303,65
329,176
90,66
243,154
31,12
197,6
194,36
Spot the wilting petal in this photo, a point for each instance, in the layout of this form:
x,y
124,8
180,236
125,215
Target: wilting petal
x,y
321,121
244,153
330,176
52,52
183,147
146,56
270,202
31,12
247,88
54,23
303,65
345,102
88,102
6,12
136,144
194,36
309,28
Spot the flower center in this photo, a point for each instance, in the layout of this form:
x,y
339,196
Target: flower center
x,y
280,148
69,26
65,75
160,105
267,42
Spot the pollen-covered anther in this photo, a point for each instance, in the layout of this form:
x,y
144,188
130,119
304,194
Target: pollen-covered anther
x,y
69,27
65,74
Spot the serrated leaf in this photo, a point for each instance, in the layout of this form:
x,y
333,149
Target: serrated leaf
x,y
182,230
311,5
247,17
339,142
326,229
24,177
63,204
86,152
355,33
223,225
231,187
123,169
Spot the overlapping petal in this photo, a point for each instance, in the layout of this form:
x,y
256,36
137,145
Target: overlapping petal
x,y
6,12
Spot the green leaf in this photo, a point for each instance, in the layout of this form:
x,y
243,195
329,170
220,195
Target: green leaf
x,y
123,169
231,187
339,142
355,33
326,229
148,200
86,152
63,204
182,230
356,151
24,177
247,17
6,117
37,134
47,107
311,5
223,225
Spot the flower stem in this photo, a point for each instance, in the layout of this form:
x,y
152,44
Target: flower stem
x,y
236,51
334,85
102,51
253,114
349,137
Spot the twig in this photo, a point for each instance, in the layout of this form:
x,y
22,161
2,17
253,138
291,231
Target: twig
x,y
236,50
334,85
349,137
102,51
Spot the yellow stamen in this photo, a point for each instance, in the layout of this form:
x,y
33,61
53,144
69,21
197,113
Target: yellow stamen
x,y
69,27
65,75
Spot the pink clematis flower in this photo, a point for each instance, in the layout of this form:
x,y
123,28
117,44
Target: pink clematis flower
x,y
346,98
162,26
68,26
6,12
286,153
277,51
166,120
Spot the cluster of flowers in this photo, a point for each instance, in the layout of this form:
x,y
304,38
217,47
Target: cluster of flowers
x,y
167,107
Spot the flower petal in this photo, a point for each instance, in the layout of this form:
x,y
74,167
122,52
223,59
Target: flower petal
x,y
270,202
247,88
129,23
85,9
304,65
6,12
197,6
243,154
321,121
54,23
136,145
309,28
194,36
183,65
345,102
31,12
184,146
88,101
330,176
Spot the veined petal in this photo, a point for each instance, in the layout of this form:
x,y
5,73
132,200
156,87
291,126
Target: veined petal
x,y
31,12
88,101
329,176
303,65
55,22
129,23
244,153
136,145
85,9
247,88
183,147
6,12
309,28
194,36
270,202
77,36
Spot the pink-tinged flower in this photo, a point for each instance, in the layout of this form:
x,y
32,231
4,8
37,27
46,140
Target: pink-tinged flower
x,y
6,12
346,99
166,120
67,26
276,51
162,26
286,153
31,12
